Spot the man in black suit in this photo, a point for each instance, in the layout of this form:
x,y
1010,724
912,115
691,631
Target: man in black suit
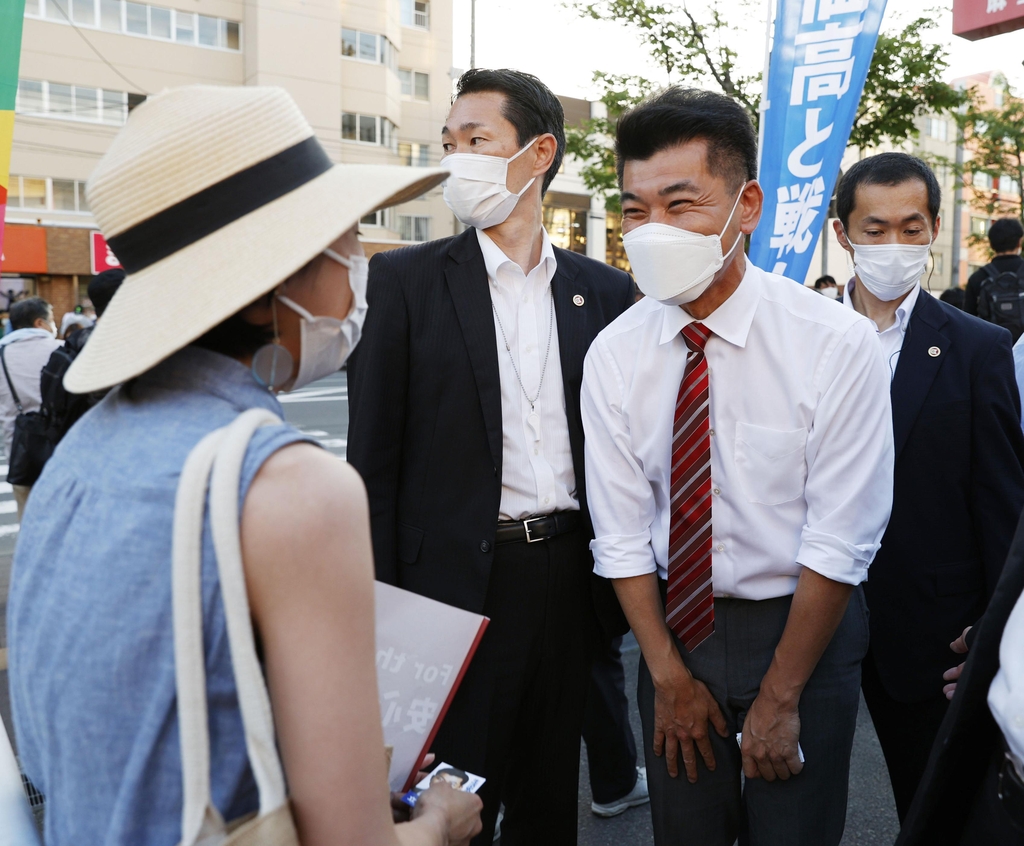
x,y
969,795
959,476
465,425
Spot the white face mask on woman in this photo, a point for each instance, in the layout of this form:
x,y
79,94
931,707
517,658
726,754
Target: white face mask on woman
x,y
675,266
889,271
477,190
327,342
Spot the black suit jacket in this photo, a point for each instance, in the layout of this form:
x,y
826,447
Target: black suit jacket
x,y
425,425
969,736
958,492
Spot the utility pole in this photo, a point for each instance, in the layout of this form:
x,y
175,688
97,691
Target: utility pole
x,y
958,199
472,33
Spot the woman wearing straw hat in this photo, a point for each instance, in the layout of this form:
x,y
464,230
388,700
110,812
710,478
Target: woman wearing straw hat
x,y
232,222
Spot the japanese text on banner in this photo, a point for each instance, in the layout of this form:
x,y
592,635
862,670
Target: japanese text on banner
x,y
819,61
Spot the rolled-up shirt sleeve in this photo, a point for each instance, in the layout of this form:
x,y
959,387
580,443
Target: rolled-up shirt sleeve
x,y
849,460
619,495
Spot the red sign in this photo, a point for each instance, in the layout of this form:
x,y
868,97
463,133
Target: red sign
x,y
24,249
977,19
99,254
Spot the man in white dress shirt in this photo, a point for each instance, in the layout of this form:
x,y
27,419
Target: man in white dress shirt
x,y
739,461
464,423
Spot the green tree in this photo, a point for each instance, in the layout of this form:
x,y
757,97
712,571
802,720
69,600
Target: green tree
x,y
903,82
995,136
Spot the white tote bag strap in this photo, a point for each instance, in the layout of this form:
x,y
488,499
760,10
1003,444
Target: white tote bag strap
x,y
198,818
253,698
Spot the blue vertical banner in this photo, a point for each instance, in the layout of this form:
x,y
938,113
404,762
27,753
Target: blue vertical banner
x,y
820,58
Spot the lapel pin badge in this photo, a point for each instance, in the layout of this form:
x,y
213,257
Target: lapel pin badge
x,y
578,300
934,352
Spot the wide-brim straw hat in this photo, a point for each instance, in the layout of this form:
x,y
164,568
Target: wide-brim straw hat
x,y
211,196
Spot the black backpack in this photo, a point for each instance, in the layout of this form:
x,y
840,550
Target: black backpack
x,y
1001,299
61,408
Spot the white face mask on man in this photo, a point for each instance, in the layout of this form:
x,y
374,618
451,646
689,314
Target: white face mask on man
x,y
477,190
327,342
889,271
675,266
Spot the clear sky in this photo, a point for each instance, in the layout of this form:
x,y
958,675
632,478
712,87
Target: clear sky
x,y
550,40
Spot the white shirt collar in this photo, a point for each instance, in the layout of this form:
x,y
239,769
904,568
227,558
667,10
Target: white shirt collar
x,y
495,259
903,311
730,321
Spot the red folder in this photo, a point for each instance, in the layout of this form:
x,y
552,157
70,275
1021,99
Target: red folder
x,y
423,650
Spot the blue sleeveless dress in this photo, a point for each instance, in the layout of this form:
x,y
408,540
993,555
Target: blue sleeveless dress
x,y
89,615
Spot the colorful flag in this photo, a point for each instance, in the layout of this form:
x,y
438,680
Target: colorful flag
x,y
820,59
12,15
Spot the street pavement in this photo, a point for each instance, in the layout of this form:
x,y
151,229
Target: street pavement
x,y
321,411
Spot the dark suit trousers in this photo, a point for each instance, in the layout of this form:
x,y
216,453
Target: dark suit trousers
x,y
808,809
611,749
517,716
906,731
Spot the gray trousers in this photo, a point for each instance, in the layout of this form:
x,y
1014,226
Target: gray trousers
x,y
808,809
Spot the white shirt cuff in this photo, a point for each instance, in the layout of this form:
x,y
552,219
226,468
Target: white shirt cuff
x,y
623,556
834,558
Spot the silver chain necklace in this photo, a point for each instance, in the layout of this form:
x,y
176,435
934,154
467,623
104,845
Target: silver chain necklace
x,y
533,419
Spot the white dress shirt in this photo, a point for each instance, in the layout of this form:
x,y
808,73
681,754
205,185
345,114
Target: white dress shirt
x,y
1006,695
801,447
537,476
892,337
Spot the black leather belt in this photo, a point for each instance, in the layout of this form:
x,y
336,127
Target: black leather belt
x,y
535,529
1011,789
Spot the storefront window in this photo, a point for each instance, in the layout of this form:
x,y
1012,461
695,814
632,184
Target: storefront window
x,y
567,228
615,255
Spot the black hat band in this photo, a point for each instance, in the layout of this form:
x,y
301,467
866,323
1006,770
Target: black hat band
x,y
213,208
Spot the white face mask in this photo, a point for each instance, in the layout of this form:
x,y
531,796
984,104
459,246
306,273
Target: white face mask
x,y
326,342
829,293
477,192
889,271
675,266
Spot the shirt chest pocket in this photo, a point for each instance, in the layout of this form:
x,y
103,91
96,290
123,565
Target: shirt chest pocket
x,y
771,463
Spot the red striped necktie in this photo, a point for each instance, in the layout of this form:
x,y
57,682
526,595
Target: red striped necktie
x,y
690,607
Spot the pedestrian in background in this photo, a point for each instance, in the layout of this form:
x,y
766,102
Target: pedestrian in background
x,y
464,424
959,477
954,295
739,462
61,407
92,646
826,286
24,352
1004,237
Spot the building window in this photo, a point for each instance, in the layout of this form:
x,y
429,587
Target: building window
x,y
377,218
369,129
413,227
1007,185
979,226
414,84
937,263
416,13
937,128
414,155
368,47
74,102
39,194
567,228
982,181
142,19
